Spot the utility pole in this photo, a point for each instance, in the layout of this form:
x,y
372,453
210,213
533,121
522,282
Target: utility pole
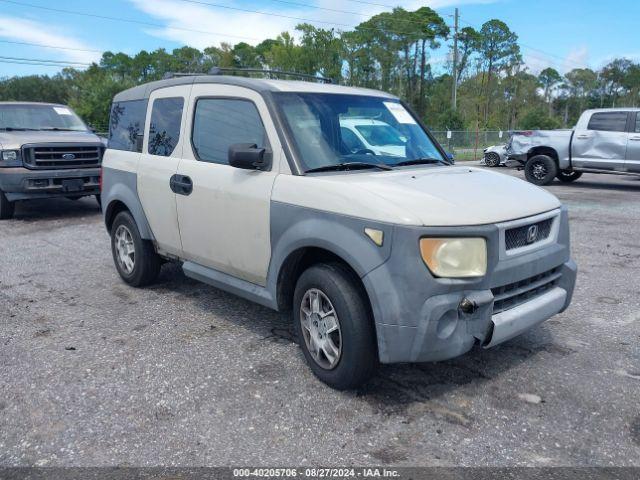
x,y
454,90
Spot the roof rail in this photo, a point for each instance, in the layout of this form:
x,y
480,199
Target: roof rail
x,y
268,73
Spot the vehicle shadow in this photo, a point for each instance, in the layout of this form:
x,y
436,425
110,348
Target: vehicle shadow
x,y
55,208
396,388
621,183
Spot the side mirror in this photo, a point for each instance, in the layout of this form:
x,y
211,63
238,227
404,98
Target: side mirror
x,y
451,157
249,157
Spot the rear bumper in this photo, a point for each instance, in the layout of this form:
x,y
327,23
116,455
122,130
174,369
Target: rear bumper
x,y
24,184
419,319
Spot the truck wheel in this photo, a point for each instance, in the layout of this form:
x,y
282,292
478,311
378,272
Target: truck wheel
x,y
492,159
334,327
540,170
7,208
568,175
136,260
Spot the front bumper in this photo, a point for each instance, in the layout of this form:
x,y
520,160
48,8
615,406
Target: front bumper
x,y
23,184
418,318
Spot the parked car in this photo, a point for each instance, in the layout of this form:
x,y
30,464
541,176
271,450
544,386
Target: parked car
x,y
603,141
367,134
250,186
46,151
495,155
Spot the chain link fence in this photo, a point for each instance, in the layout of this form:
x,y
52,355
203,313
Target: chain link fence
x,y
468,144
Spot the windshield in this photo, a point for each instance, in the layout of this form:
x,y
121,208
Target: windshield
x,y
323,128
39,117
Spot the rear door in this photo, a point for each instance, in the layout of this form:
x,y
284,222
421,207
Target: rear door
x,y
602,143
632,163
161,152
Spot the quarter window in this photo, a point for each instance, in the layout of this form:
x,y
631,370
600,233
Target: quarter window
x,y
126,123
608,122
219,123
164,129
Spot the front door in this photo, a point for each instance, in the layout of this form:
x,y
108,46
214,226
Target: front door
x,y
602,144
161,152
632,163
225,219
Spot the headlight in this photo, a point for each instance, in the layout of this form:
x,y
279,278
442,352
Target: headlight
x,y
455,257
10,158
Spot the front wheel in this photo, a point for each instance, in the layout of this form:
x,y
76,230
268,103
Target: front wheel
x,y
334,327
540,170
568,176
136,259
7,208
492,159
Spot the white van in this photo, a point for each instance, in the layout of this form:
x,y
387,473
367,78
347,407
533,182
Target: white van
x,y
381,256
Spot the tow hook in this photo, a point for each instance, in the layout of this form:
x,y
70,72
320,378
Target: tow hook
x,y
468,307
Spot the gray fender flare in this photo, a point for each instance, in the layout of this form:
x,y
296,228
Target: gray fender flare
x,y
123,192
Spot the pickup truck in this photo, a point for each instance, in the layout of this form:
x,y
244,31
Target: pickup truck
x,y
603,141
46,151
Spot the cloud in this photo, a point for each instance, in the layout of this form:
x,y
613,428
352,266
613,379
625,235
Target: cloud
x,y
29,31
201,26
577,57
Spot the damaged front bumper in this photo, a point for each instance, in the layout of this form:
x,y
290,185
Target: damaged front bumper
x,y
420,318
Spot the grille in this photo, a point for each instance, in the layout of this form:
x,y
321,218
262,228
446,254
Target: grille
x,y
62,156
520,236
514,294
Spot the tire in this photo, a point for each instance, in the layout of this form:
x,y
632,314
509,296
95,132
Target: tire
x,y
7,208
492,159
540,170
143,265
356,360
568,176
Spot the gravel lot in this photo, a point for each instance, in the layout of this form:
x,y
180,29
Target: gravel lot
x,y
95,373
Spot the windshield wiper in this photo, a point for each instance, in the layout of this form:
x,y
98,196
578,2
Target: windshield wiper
x,y
421,161
14,129
349,166
58,129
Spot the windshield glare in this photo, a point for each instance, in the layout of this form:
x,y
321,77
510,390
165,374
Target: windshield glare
x,y
39,117
330,129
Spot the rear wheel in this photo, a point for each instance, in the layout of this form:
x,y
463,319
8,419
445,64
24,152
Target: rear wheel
x,y
568,175
491,159
7,208
540,170
136,260
334,328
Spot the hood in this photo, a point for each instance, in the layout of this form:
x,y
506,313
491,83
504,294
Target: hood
x,y
450,196
16,139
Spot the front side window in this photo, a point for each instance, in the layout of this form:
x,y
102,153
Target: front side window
x,y
218,123
608,122
319,125
26,116
126,124
164,128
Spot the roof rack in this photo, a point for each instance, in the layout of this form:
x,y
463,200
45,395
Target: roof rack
x,y
268,73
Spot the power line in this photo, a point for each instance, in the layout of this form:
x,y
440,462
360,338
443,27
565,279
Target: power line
x,y
45,60
56,65
127,20
51,46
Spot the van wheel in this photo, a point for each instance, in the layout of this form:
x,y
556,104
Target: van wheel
x,y
7,208
334,327
568,175
136,260
540,170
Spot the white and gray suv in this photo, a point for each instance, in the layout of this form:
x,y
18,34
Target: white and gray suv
x,y
403,257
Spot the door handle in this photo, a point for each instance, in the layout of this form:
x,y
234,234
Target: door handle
x,y
181,184
583,137
636,139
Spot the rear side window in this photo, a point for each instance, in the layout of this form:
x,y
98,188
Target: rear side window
x,y
219,123
608,122
637,129
126,123
164,128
